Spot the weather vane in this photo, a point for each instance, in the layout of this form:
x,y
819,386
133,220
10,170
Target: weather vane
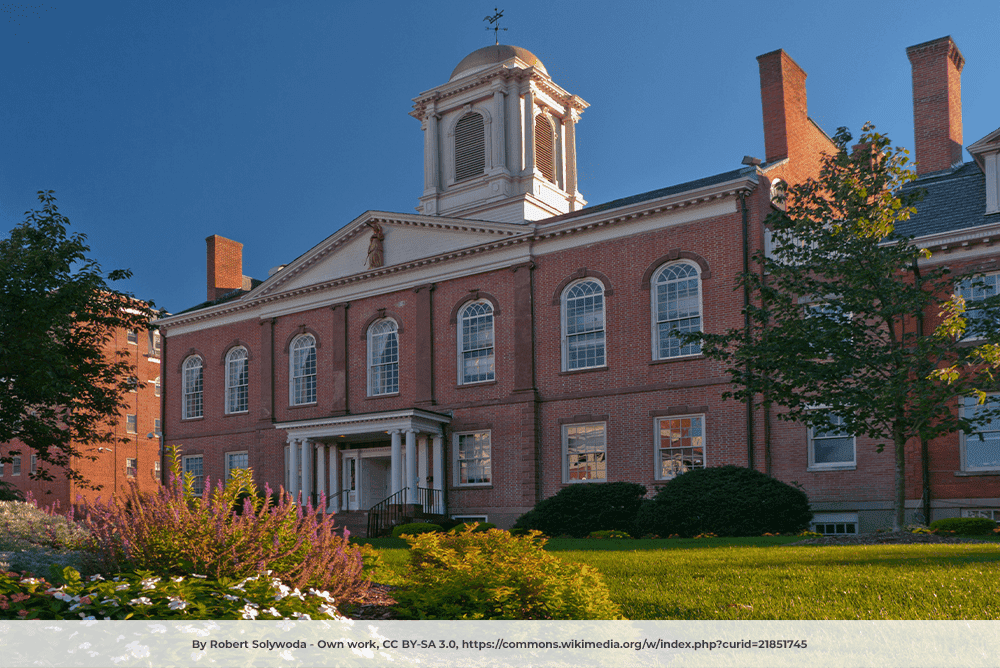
x,y
495,23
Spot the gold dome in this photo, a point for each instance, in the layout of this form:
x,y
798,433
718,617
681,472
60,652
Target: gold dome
x,y
494,54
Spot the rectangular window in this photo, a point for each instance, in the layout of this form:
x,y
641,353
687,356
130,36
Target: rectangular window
x,y
130,424
831,447
194,464
236,460
131,464
835,523
133,384
1,469
132,336
154,344
15,467
988,513
157,429
156,387
584,450
680,445
34,463
981,449
156,470
979,321
473,458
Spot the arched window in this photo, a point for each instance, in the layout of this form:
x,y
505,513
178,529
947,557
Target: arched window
x,y
470,146
583,325
192,383
302,376
237,381
779,190
475,343
383,358
676,309
545,147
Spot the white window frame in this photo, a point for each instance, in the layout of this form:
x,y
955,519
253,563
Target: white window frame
x,y
655,284
564,322
385,371
565,430
15,466
193,388
1,469
157,426
131,467
458,460
237,381
132,337
830,435
131,423
187,463
971,294
156,386
157,475
988,513
229,464
964,406
680,448
302,392
33,463
844,520
468,348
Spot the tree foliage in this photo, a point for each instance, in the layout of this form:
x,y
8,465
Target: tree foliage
x,y
60,387
836,324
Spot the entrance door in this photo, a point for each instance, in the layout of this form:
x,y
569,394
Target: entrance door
x,y
351,480
376,476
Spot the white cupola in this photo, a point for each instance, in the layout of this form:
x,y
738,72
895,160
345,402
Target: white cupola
x,y
499,140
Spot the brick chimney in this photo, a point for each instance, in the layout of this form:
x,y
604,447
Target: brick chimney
x,y
225,266
783,99
937,103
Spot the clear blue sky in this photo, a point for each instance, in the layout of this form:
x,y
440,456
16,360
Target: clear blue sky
x,y
276,123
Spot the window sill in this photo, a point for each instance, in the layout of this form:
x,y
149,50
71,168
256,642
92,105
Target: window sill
x,y
589,369
381,396
193,419
296,406
460,487
680,358
844,467
972,474
567,483
482,383
242,413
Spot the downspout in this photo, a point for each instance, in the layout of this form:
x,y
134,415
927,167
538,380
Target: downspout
x,y
751,464
925,465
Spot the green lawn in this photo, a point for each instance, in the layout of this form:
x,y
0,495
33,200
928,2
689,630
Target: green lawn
x,y
763,578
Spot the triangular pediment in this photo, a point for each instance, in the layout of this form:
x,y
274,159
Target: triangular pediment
x,y
989,143
378,240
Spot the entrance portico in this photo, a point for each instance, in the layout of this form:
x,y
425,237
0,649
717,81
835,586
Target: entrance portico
x,y
356,461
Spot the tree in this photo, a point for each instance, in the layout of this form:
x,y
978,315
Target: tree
x,y
60,387
835,334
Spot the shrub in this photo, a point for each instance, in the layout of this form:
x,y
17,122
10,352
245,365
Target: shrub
x,y
476,526
10,493
726,501
577,510
969,526
173,532
494,575
23,525
143,595
608,533
415,529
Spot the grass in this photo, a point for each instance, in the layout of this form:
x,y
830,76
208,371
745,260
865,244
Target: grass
x,y
763,578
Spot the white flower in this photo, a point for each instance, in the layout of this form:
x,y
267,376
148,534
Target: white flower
x,y
30,581
325,595
122,587
142,600
195,575
230,598
301,615
272,611
62,596
300,595
178,578
109,601
149,583
87,619
95,578
248,612
283,591
329,611
177,603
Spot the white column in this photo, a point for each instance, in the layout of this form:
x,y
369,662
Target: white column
x,y
306,471
335,484
422,461
432,164
411,465
570,124
529,132
438,465
321,476
293,467
499,130
394,455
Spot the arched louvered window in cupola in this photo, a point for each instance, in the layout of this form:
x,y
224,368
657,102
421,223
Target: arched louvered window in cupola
x,y
470,146
545,147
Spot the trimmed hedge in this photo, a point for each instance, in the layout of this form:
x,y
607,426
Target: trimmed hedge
x,y
578,510
968,526
415,529
726,501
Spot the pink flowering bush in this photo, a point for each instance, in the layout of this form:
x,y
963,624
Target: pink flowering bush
x,y
174,532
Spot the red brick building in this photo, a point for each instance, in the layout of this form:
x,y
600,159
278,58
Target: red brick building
x,y
508,340
135,454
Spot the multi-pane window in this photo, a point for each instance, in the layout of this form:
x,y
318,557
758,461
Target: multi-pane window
x,y
472,458
193,388
476,343
981,449
988,513
157,428
132,383
1,469
680,445
156,470
15,466
583,325
676,310
470,146
156,386
237,381
835,523
383,358
831,446
236,460
302,383
130,424
978,321
131,336
194,464
34,463
154,343
584,452
131,466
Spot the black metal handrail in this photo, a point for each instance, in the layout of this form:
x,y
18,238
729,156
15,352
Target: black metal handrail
x,y
431,500
386,513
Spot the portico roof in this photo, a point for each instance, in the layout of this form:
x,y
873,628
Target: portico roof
x,y
416,419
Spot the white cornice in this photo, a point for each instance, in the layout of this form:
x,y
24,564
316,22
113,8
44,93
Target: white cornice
x,y
953,241
349,425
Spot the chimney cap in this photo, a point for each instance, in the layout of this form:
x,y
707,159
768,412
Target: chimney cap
x,y
750,161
